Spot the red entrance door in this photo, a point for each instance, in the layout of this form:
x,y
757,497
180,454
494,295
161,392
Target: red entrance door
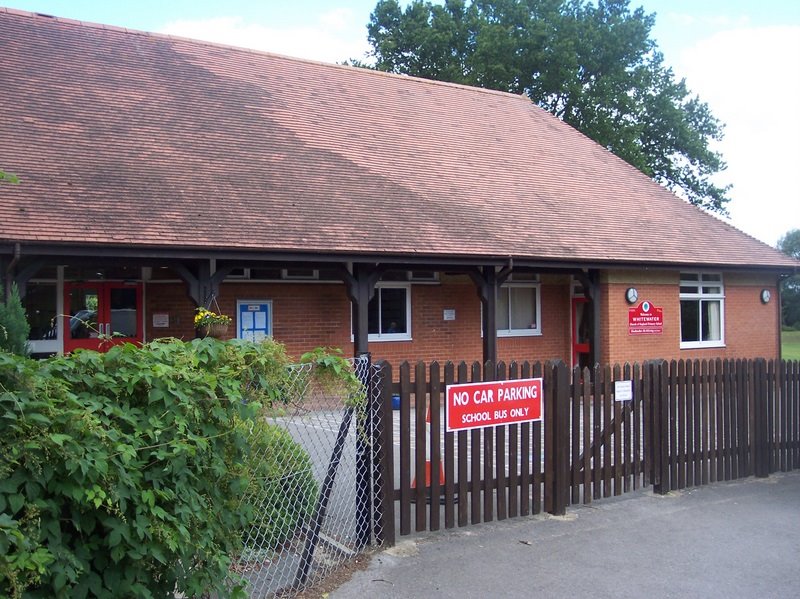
x,y
99,315
581,332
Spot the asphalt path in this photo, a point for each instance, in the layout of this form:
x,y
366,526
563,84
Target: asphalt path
x,y
736,539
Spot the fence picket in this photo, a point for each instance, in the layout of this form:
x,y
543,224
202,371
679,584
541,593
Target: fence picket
x,y
525,457
683,420
587,438
435,445
500,456
475,457
597,404
463,465
405,448
617,409
537,431
627,458
513,456
575,434
420,446
449,461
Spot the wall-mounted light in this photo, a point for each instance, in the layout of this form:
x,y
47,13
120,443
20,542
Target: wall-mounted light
x,y
765,296
631,295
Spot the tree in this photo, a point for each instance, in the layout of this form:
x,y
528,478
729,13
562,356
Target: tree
x,y
789,244
593,66
14,327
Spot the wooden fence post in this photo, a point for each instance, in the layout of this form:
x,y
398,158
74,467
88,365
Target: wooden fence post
x,y
660,398
761,445
385,532
561,402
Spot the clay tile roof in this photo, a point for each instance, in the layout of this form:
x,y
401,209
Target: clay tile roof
x,y
122,137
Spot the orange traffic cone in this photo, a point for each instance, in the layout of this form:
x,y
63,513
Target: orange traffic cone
x,y
428,456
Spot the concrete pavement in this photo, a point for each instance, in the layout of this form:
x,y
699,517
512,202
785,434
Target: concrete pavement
x,y
736,539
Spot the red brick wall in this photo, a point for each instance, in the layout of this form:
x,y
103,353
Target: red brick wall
x,y
750,326
318,314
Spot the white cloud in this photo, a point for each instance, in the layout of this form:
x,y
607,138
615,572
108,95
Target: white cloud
x,y
333,37
751,80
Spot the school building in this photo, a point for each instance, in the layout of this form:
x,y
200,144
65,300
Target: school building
x,y
326,205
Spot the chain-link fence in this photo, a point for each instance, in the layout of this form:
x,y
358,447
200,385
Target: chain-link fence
x,y
317,505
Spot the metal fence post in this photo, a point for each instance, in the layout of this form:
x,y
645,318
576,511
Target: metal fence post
x,y
365,421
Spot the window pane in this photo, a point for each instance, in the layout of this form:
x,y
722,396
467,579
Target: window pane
x,y
712,277
690,320
41,309
688,276
393,311
685,289
83,310
711,321
123,312
502,309
523,308
714,290
373,319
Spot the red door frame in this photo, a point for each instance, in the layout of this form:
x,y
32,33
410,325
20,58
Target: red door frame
x,y
578,348
99,339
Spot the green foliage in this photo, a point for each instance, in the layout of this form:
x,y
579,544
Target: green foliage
x,y
124,473
335,374
14,327
592,64
281,470
789,244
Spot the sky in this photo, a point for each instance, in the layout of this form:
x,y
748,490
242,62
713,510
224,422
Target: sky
x,y
741,57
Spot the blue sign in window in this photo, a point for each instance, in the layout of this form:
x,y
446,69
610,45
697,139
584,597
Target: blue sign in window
x,y
254,319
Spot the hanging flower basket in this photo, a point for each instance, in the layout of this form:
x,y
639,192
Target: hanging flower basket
x,y
218,331
211,324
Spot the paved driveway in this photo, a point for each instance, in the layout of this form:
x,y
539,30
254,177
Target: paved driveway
x,y
739,539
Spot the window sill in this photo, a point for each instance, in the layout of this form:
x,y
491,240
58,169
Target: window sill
x,y
520,333
388,337
702,344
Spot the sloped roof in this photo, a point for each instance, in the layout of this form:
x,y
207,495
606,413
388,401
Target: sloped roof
x,y
123,137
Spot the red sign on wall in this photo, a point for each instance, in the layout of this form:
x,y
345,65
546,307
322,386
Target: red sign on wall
x,y
475,405
645,319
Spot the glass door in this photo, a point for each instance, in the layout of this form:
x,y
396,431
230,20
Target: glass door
x,y
99,315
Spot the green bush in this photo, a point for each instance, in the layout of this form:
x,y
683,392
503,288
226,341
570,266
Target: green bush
x,y
122,474
14,327
280,470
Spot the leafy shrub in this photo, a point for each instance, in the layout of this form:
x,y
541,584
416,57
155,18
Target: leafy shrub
x,y
280,470
122,474
14,328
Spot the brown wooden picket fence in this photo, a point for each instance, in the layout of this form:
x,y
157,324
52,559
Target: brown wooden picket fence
x,y
689,423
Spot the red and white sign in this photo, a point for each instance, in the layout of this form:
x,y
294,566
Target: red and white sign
x,y
475,405
645,319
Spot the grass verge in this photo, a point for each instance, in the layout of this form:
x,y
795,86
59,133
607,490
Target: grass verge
x,y
790,345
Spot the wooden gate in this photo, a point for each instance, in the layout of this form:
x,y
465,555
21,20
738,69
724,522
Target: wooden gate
x,y
689,423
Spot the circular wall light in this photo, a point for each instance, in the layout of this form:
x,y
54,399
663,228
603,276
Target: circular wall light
x,y
631,295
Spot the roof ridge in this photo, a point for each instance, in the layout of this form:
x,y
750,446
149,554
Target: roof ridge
x,y
158,35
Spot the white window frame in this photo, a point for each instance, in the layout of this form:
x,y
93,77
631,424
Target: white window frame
x,y
379,337
288,275
699,296
537,293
